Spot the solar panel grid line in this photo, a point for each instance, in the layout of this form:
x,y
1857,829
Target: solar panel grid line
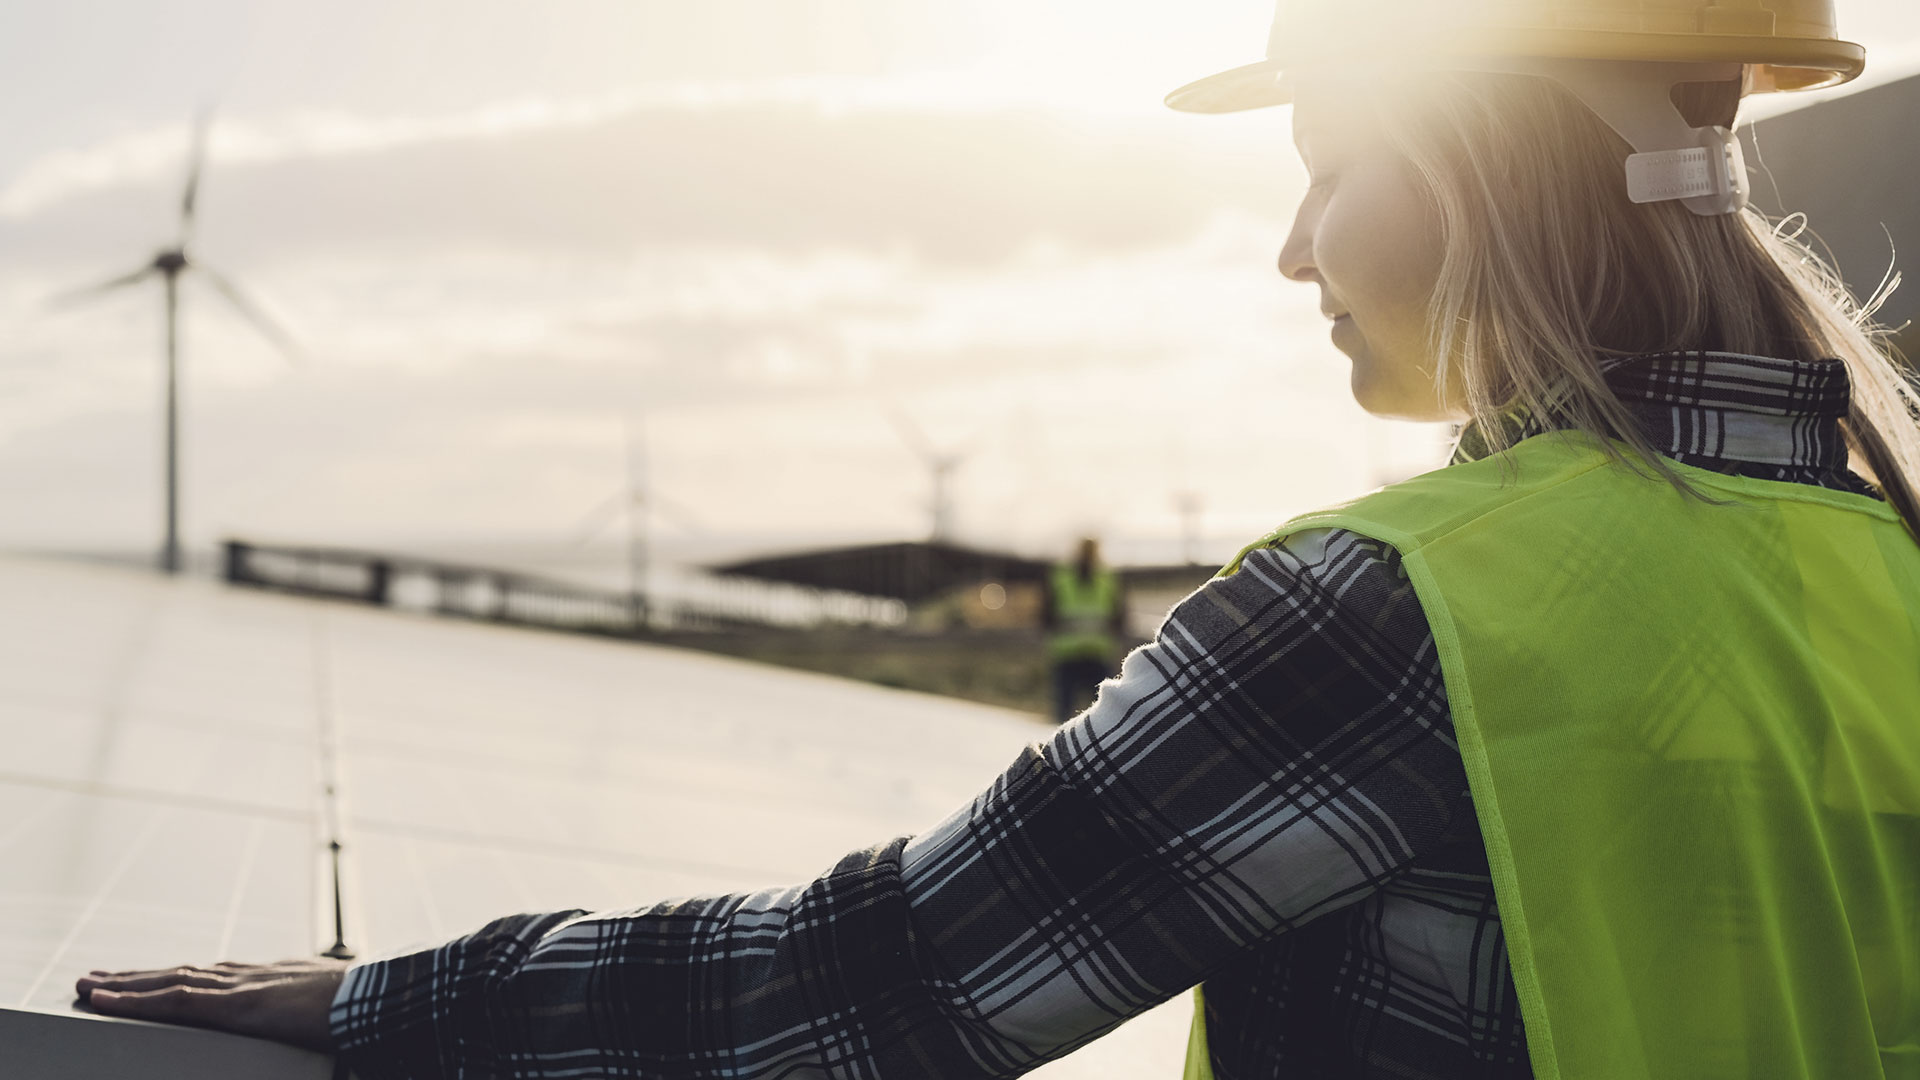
x,y
554,845
248,856
549,821
120,868
156,797
23,826
513,873
436,925
133,650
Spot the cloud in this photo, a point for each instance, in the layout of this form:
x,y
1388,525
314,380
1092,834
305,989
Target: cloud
x,y
484,301
945,187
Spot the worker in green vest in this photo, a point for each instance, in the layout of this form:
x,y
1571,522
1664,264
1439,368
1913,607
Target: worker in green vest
x,y
1085,617
1685,686
1593,755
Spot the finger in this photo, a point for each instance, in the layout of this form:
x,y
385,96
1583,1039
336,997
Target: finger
x,y
305,963
299,963
97,979
153,979
231,972
279,967
161,980
99,975
174,1005
239,972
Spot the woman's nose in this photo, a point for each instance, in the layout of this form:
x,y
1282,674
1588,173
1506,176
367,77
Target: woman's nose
x,y
1296,256
1295,269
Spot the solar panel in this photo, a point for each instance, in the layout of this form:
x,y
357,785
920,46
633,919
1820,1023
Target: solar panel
x,y
168,743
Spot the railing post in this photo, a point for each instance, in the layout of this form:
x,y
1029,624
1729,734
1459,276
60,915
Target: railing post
x,y
379,581
236,562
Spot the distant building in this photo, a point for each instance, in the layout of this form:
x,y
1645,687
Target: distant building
x,y
953,583
915,571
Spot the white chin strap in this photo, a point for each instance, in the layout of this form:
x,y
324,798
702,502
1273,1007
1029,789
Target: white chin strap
x,y
1704,167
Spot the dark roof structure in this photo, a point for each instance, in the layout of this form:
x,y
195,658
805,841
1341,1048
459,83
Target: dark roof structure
x,y
1849,164
910,571
1183,577
921,570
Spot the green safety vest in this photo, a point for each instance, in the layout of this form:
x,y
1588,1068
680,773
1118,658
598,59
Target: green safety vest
x,y
1692,735
1085,612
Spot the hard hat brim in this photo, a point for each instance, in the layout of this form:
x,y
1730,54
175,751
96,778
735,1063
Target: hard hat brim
x,y
1780,64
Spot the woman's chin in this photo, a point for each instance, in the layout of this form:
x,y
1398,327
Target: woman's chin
x,y
1367,391
1390,402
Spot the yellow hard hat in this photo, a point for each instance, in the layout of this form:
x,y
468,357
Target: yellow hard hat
x,y
1784,44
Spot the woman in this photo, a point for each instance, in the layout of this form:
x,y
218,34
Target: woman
x,y
1592,754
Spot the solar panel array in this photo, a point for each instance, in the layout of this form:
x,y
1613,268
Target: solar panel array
x,y
168,743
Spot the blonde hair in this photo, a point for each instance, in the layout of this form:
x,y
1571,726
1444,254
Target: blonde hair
x,y
1549,269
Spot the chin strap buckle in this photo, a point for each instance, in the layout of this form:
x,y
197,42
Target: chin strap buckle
x,y
1704,167
1711,177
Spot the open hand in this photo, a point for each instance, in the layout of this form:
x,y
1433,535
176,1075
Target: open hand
x,y
287,1002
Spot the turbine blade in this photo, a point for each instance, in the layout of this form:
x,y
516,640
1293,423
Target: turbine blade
x,y
196,160
69,297
269,329
677,510
593,521
912,434
991,432
972,447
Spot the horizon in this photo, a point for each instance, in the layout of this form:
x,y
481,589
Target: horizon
x,y
501,235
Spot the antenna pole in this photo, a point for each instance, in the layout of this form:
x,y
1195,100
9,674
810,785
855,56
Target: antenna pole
x,y
170,547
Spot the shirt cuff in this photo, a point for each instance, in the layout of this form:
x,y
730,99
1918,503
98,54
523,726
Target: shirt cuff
x,y
425,1014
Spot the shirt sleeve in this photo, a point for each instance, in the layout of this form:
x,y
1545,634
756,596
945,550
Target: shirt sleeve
x,y
1281,749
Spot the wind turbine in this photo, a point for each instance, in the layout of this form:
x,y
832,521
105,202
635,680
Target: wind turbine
x,y
1187,501
1189,505
942,464
635,503
632,504
169,264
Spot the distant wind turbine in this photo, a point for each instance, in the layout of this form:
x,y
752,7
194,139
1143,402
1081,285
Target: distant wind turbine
x,y
1189,505
169,264
943,464
636,502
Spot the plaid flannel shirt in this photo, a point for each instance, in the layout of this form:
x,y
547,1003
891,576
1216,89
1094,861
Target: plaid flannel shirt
x,y
1267,798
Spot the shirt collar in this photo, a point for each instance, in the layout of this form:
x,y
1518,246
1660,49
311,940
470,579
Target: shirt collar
x,y
1722,406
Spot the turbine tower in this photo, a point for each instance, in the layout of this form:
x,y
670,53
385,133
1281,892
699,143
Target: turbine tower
x,y
1189,505
169,264
634,503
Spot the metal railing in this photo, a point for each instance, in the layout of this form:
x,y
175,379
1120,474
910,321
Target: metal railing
x,y
510,596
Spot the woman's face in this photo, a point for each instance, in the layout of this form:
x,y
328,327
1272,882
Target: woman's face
x,y
1369,237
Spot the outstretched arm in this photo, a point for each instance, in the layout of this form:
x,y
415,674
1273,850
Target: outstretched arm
x,y
1264,761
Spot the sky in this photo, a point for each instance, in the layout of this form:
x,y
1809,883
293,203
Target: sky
x,y
769,236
